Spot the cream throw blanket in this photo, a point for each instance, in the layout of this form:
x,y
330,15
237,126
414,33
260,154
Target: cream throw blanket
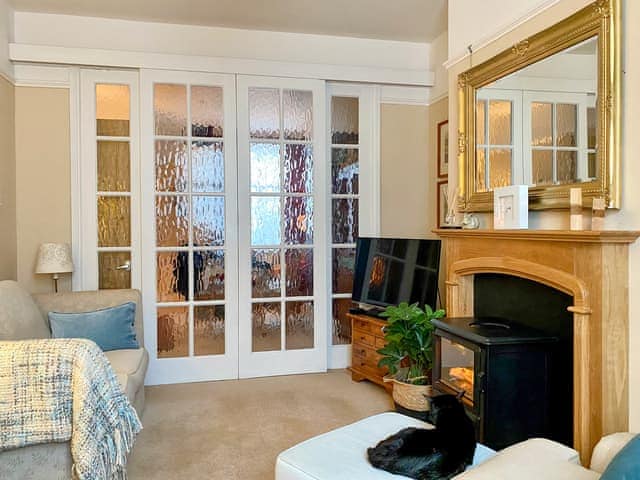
x,y
57,390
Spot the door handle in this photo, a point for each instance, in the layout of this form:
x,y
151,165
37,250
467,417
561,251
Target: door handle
x,y
125,266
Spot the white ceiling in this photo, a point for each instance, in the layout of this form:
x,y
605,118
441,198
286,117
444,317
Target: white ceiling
x,y
405,20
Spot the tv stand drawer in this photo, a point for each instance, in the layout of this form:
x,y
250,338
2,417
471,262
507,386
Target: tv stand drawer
x,y
367,337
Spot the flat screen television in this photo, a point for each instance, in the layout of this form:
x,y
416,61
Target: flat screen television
x,y
393,270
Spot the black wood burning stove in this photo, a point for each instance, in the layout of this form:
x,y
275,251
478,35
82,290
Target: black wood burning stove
x,y
506,373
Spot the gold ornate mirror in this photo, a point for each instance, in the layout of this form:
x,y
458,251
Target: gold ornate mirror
x,y
545,113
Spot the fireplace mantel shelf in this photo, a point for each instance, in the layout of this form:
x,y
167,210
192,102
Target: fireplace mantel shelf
x,y
576,236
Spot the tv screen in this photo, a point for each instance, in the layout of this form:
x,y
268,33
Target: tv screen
x,y
389,271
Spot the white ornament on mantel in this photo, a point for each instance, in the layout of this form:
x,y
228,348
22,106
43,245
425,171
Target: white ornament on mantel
x,y
511,207
575,206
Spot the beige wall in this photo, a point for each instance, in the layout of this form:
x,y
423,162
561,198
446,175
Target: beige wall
x,y
8,262
42,179
628,217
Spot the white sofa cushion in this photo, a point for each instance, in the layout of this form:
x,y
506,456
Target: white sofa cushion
x,y
20,317
129,366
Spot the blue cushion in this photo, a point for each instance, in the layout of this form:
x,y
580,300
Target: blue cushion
x,y
626,464
111,328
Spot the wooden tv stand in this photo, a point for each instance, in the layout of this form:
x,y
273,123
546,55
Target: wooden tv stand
x,y
367,337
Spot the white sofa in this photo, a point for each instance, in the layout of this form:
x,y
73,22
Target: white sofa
x,y
341,455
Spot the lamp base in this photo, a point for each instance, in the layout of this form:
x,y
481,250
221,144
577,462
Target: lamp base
x,y
55,282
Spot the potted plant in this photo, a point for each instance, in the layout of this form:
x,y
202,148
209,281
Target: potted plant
x,y
408,353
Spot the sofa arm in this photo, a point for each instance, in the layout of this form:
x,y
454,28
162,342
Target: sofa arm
x,y
607,448
75,302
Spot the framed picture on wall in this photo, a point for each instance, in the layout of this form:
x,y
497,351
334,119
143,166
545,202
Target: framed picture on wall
x,y
443,149
443,205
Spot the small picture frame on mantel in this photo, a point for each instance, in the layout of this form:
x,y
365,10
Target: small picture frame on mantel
x,y
511,207
443,149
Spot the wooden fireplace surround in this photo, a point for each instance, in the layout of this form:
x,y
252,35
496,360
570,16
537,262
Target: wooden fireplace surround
x,y
592,266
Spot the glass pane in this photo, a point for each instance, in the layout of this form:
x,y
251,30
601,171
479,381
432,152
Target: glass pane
x,y
208,221
592,165
113,167
499,167
345,170
208,275
264,112
566,125
542,167
208,330
457,367
480,122
500,122
344,120
206,111
298,118
265,273
298,220
345,220
173,332
344,260
266,322
298,168
207,167
172,276
265,221
567,166
108,276
114,221
172,221
265,167
171,166
299,265
112,110
541,124
592,128
341,324
481,170
299,325
170,107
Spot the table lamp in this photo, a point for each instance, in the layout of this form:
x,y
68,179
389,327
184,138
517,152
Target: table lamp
x,y
54,258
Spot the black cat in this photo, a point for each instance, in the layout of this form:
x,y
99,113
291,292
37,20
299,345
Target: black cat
x,y
437,454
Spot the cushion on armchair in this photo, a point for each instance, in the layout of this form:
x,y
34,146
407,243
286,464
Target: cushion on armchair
x,y
20,317
626,464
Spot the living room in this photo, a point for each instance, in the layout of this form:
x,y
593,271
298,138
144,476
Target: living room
x,y
326,124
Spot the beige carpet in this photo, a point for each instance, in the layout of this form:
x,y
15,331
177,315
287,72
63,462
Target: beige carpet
x,y
235,429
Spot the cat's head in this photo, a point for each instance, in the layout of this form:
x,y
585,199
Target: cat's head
x,y
444,403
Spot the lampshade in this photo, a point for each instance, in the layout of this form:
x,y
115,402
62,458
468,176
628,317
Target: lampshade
x,y
54,258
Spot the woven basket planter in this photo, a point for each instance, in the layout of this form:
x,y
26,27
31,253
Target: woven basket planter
x,y
411,397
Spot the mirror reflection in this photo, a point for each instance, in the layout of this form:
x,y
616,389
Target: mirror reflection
x,y
538,126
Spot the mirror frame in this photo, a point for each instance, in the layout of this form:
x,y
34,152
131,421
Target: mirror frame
x,y
601,18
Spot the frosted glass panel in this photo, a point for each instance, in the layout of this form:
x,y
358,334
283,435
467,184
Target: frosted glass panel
x,y
345,220
265,273
173,332
298,118
207,167
299,325
299,265
114,221
567,166
566,121
208,275
500,122
172,276
172,221
542,167
112,110
113,167
208,221
345,171
298,220
541,124
481,170
298,168
171,166
264,112
206,111
266,323
265,167
170,107
265,221
344,120
343,265
341,324
208,332
499,167
481,105
108,276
